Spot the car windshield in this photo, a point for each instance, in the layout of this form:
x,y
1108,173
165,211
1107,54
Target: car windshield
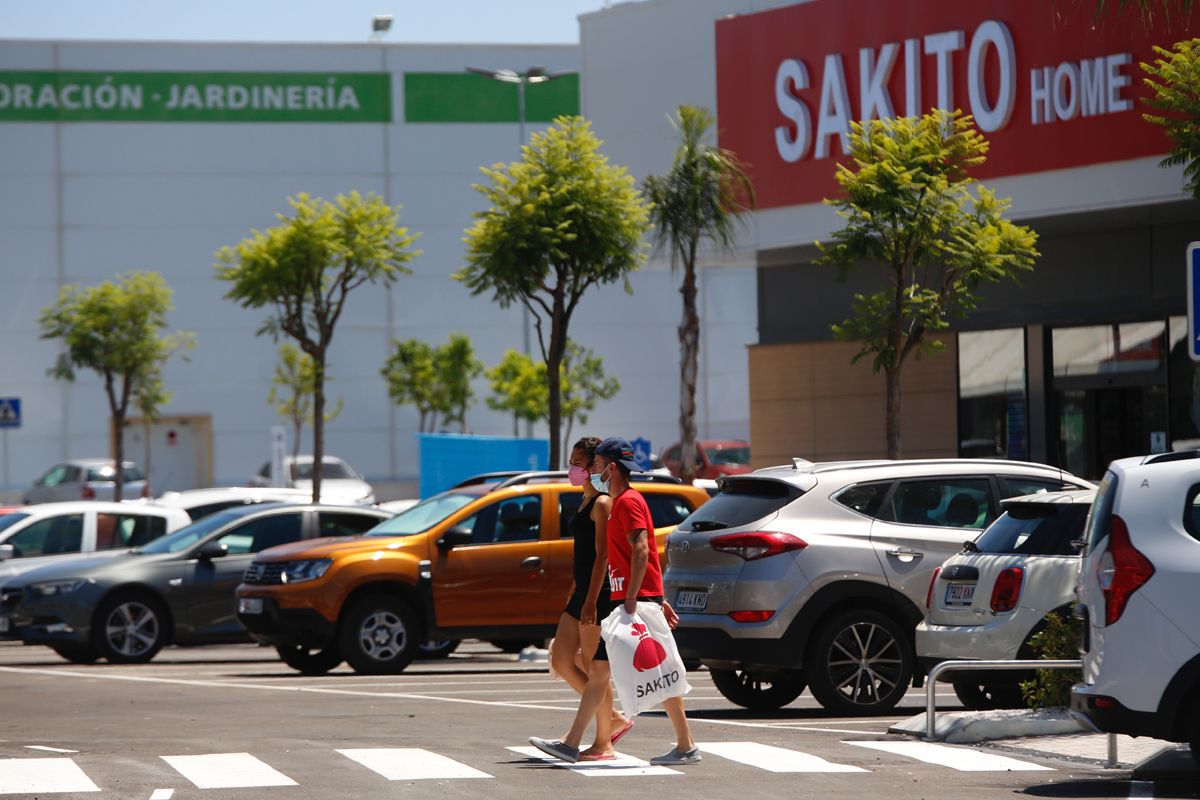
x,y
728,455
1035,529
108,473
329,469
423,515
11,519
186,537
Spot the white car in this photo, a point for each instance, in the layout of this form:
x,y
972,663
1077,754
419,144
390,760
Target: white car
x,y
987,602
86,479
202,502
34,536
340,483
1139,589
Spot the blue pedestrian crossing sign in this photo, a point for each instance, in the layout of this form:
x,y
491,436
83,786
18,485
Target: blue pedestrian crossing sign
x,y
10,412
641,452
1193,302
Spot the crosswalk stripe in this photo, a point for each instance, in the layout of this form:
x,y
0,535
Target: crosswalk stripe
x,y
623,766
773,759
962,759
43,775
227,771
411,764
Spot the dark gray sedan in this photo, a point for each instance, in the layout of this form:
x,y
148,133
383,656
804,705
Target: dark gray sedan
x,y
178,589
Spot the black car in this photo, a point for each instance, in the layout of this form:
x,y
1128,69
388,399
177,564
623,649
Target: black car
x,y
177,589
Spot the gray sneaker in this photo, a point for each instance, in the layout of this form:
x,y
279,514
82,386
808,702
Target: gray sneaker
x,y
561,750
677,757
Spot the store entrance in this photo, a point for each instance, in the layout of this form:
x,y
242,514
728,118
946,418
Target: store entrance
x,y
1099,425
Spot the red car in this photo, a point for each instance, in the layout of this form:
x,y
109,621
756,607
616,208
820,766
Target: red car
x,y
714,458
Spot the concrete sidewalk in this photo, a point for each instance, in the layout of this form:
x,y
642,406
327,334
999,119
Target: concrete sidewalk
x,y
1087,748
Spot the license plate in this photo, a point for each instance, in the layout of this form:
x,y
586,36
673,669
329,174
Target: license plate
x,y
3,624
691,601
960,594
249,605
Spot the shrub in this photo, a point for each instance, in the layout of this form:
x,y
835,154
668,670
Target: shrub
x,y
1059,639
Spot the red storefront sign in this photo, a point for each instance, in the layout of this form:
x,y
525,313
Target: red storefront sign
x,y
1048,89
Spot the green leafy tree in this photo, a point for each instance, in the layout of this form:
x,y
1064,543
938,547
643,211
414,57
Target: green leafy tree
x,y
292,388
1174,80
518,387
304,268
585,384
1058,639
700,199
1149,10
561,220
455,366
911,208
411,378
114,329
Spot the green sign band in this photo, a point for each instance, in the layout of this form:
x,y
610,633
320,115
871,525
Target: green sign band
x,y
467,97
27,96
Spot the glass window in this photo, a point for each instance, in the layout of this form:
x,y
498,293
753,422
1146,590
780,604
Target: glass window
x,y
518,519
1108,349
992,408
8,520
115,531
734,456
1191,512
259,534
1183,380
1013,486
568,504
330,468
672,453
666,510
943,502
342,523
184,538
1099,521
55,476
1035,529
741,501
425,514
108,473
865,498
48,537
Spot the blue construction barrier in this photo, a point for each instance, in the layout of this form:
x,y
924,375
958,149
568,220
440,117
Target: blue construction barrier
x,y
447,458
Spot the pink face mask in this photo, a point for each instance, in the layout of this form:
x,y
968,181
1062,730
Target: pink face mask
x,y
578,476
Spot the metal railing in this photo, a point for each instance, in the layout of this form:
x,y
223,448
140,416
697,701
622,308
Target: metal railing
x,y
964,666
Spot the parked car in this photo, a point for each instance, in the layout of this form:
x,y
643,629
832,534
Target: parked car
x,y
202,502
815,574
988,601
177,589
484,560
713,458
340,483
1139,588
86,479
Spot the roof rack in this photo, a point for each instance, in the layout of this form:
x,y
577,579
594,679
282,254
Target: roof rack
x,y
486,477
522,478
1178,455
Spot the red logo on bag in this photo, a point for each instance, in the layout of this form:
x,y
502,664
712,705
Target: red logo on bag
x,y
649,653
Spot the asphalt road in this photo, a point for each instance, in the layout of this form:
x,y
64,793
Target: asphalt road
x,y
233,722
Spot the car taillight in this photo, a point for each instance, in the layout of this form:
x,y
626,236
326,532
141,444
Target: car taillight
x,y
759,544
929,594
750,616
146,490
1123,570
88,493
1007,589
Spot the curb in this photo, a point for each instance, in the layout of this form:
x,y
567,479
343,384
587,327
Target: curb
x,y
972,727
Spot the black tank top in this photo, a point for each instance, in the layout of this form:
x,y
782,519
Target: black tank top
x,y
583,531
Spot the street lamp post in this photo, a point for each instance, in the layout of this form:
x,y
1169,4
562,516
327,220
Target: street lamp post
x,y
531,75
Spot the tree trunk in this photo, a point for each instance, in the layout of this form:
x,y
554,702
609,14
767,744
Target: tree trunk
x,y
118,420
892,414
318,423
554,378
689,367
566,441
146,453
516,427
297,431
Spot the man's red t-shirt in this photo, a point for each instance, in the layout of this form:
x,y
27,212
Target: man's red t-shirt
x,y
630,513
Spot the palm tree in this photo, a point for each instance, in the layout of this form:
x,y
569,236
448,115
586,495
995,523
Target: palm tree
x,y
700,198
1147,9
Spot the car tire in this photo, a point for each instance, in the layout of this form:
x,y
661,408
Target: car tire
x,y
988,697
1194,734
379,635
758,691
307,661
130,628
436,648
77,654
860,662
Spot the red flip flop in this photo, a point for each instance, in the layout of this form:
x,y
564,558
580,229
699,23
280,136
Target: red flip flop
x,y
621,731
598,757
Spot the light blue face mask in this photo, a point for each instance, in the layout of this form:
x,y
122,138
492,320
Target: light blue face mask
x,y
601,486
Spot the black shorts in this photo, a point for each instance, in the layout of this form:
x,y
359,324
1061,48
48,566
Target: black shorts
x,y
601,652
604,607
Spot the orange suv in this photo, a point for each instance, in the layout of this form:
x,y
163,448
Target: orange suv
x,y
489,559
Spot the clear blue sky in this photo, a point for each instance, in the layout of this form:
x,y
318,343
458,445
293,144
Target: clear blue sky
x,y
498,21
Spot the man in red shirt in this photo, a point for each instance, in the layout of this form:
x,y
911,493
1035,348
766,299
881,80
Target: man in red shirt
x,y
635,574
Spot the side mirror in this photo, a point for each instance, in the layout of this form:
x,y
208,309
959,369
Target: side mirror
x,y
7,551
452,538
210,550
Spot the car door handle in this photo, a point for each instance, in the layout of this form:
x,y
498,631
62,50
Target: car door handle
x,y
906,553
533,562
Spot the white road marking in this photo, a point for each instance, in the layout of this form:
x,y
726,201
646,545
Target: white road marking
x,y
773,759
1138,790
227,771
43,776
622,767
963,759
411,764
48,749
162,794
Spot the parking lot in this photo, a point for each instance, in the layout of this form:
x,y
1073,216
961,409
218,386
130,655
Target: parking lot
x,y
233,722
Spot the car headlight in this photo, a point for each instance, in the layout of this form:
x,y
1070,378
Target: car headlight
x,y
300,571
55,588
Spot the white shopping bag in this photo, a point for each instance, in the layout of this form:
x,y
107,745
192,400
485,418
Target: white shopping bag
x,y
645,662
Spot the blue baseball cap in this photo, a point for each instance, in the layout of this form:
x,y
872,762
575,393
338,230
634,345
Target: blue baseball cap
x,y
618,450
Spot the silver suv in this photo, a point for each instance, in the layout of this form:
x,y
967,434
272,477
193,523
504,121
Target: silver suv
x,y
816,574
